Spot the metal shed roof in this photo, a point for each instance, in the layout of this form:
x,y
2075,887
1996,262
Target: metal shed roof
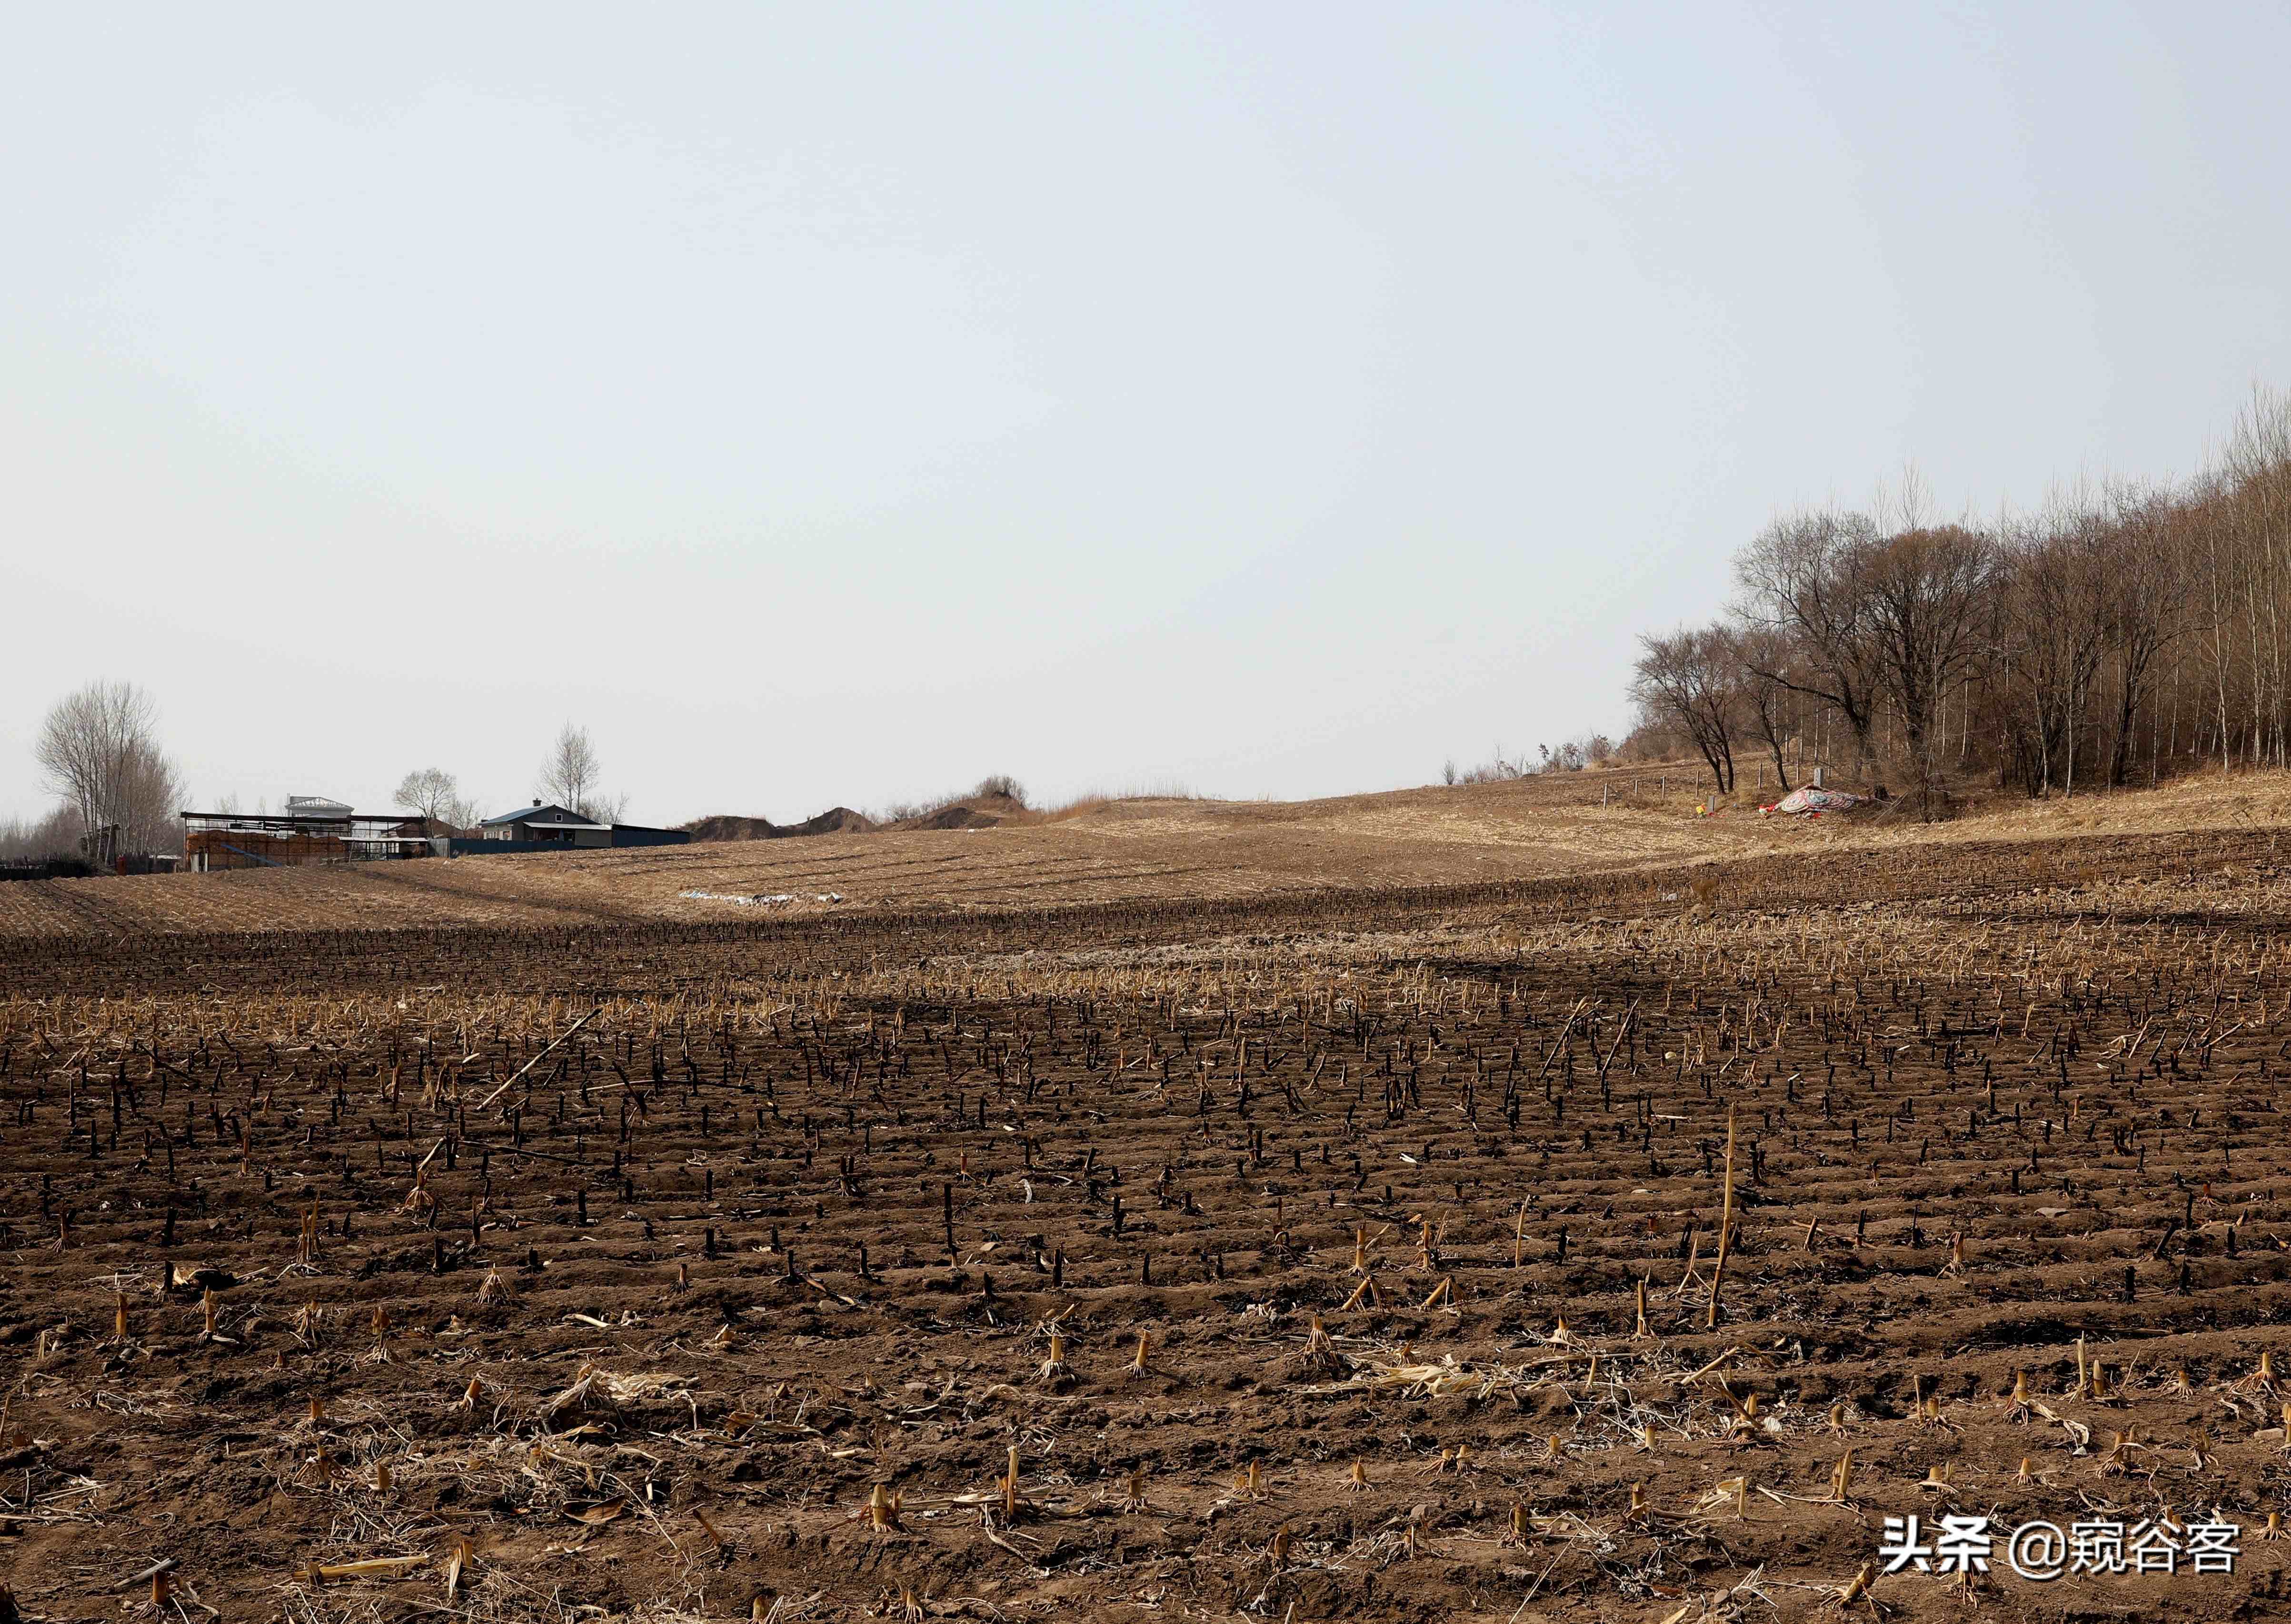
x,y
555,816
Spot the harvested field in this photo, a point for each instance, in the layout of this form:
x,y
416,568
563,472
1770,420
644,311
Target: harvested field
x,y
1192,1246
1143,854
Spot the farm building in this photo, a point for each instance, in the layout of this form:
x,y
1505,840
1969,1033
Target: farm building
x,y
311,829
545,828
540,822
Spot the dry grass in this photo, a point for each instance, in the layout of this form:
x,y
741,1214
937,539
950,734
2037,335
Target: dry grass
x,y
1107,851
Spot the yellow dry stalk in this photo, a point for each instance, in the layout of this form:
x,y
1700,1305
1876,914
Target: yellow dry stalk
x,y
372,1567
207,1311
1642,1334
1367,1289
1133,1489
1442,1295
119,1317
2026,1474
1009,1487
1857,1587
1517,1532
1842,1478
1357,1479
1137,1365
1280,1552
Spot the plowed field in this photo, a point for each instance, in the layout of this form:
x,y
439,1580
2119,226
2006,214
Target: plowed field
x,y
1343,1254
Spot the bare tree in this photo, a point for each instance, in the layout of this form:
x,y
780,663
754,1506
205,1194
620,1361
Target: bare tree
x,y
437,796
1688,678
59,834
2055,628
1806,575
2145,594
1925,591
569,776
97,751
1767,703
149,810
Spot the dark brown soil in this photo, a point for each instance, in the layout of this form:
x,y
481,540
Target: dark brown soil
x,y
803,1211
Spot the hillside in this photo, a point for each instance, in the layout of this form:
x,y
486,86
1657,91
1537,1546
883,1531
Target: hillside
x,y
1116,851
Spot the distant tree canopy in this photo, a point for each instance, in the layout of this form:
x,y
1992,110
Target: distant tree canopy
x,y
2118,633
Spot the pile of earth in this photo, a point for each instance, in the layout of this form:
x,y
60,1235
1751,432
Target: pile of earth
x,y
725,826
974,811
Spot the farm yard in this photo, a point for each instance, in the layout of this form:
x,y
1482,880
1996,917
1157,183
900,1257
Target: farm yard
x,y
1621,1233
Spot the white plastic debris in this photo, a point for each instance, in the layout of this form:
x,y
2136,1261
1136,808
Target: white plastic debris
x,y
776,898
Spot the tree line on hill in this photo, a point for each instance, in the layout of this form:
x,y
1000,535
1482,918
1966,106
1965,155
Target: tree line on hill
x,y
2120,633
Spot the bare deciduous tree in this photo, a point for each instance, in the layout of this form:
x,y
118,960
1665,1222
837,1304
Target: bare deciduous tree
x,y
1689,677
569,775
1924,590
570,778
2145,596
98,751
1805,576
1767,703
437,796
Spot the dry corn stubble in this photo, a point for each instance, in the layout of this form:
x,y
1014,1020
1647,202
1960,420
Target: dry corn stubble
x,y
1895,1079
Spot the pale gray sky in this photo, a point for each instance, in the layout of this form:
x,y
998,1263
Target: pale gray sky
x,y
836,404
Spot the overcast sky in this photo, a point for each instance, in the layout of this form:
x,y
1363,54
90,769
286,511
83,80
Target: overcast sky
x,y
836,404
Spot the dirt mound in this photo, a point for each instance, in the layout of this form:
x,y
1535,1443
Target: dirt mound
x,y
834,821
971,811
959,816
725,826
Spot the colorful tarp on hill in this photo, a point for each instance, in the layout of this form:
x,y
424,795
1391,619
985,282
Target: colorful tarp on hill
x,y
1806,798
